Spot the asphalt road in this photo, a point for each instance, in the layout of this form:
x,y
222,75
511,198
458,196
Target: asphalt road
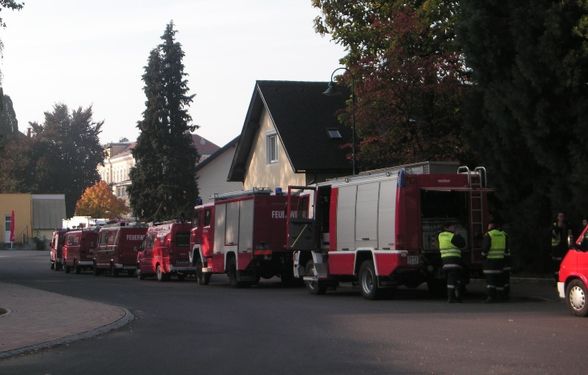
x,y
184,329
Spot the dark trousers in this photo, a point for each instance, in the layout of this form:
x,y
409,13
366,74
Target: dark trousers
x,y
493,271
454,273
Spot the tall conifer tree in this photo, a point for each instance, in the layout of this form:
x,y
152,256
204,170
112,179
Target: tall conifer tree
x,y
164,177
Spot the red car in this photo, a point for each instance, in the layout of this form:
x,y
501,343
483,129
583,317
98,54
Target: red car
x,y
165,252
56,252
573,276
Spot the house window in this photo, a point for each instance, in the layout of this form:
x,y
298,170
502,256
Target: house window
x,y
272,148
334,133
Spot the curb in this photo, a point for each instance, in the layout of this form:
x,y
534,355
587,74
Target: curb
x,y
122,321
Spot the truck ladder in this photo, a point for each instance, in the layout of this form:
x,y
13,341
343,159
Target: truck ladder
x,y
476,181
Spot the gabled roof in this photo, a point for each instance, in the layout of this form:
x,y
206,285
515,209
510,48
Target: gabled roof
x,y
302,116
217,153
203,145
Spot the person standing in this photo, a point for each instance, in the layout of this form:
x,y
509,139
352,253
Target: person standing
x,y
450,245
560,231
494,250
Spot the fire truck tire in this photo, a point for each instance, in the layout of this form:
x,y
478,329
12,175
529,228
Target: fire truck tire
x,y
66,267
201,277
576,298
232,272
160,275
58,266
314,287
140,275
78,269
437,287
368,281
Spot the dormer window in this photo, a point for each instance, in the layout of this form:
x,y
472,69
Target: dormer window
x,y
334,133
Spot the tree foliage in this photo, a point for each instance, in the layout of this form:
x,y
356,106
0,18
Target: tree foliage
x,y
8,121
98,201
164,176
529,114
66,152
409,77
9,4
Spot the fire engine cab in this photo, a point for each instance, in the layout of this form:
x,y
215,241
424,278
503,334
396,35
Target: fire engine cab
x,y
379,228
573,276
242,234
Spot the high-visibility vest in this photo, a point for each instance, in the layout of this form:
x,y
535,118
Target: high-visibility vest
x,y
497,244
446,247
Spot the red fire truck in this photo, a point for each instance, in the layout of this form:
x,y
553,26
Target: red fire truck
x,y
242,234
165,251
117,248
379,228
78,250
56,246
573,276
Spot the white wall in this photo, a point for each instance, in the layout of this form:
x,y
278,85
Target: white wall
x,y
212,178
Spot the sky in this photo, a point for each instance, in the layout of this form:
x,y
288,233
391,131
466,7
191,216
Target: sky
x,y
82,53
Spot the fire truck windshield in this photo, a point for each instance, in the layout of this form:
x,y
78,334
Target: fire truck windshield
x,y
182,239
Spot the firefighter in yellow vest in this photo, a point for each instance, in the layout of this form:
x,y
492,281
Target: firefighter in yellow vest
x,y
494,252
450,245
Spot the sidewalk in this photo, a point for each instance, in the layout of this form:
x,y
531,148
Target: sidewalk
x,y
37,319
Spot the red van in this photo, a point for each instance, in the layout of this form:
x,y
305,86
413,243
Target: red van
x,y
78,250
117,248
165,252
573,276
56,252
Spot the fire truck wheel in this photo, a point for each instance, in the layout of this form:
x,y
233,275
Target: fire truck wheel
x,y
66,267
576,298
58,266
201,277
314,287
368,281
78,269
437,288
232,272
159,274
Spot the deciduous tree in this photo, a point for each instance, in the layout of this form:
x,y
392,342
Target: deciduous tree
x,y
66,152
98,201
409,77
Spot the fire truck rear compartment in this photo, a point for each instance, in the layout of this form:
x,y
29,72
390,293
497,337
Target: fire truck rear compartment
x,y
439,208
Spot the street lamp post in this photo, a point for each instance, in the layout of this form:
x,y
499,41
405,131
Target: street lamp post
x,y
332,90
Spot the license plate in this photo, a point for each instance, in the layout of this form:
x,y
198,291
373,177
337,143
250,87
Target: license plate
x,y
412,260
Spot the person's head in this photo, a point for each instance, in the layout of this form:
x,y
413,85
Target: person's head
x,y
450,227
561,217
584,222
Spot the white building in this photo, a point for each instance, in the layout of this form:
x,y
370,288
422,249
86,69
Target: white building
x,y
119,160
212,173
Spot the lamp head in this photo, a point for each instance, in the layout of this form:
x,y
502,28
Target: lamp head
x,y
332,90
